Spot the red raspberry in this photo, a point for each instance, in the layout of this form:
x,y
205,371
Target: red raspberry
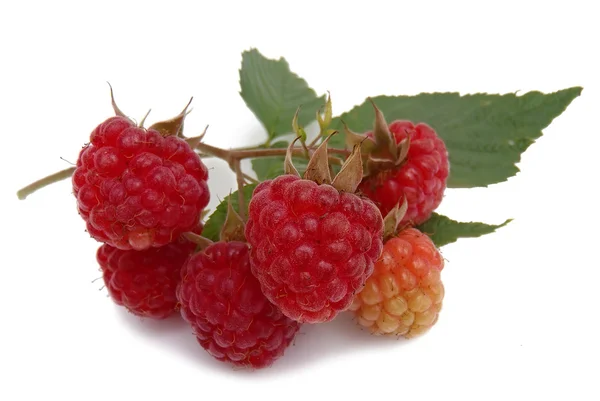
x,y
136,189
422,179
313,247
230,316
145,282
404,294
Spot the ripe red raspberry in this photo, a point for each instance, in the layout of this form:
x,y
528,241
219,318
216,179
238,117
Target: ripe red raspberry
x,y
422,178
136,189
145,282
404,294
230,316
312,246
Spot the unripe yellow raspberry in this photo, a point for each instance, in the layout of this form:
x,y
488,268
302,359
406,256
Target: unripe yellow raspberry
x,y
404,294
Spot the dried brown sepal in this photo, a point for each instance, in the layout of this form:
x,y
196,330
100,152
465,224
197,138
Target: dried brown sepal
x,y
381,132
352,138
233,228
403,148
173,126
351,173
375,164
204,213
116,108
329,132
195,141
317,169
288,164
335,161
199,240
393,219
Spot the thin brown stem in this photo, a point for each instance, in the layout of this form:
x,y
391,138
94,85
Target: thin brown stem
x,y
314,142
234,154
251,180
39,184
335,160
202,242
237,167
233,157
306,150
213,150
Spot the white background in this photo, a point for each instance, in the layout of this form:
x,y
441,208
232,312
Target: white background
x,y
520,319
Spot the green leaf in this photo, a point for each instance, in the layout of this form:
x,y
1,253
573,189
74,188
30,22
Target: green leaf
x,y
444,230
267,168
485,134
212,228
274,93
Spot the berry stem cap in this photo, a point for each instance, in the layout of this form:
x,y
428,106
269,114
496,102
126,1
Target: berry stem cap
x,y
199,240
318,169
173,126
234,226
393,219
350,175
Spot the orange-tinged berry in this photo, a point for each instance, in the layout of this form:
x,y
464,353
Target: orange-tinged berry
x,y
404,295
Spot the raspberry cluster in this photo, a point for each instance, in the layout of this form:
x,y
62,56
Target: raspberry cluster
x,y
302,249
138,190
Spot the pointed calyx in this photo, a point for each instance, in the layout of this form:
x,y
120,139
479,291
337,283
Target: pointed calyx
x,y
288,164
375,164
199,240
118,111
393,219
195,141
233,228
367,145
379,152
173,126
381,133
317,169
403,148
351,173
